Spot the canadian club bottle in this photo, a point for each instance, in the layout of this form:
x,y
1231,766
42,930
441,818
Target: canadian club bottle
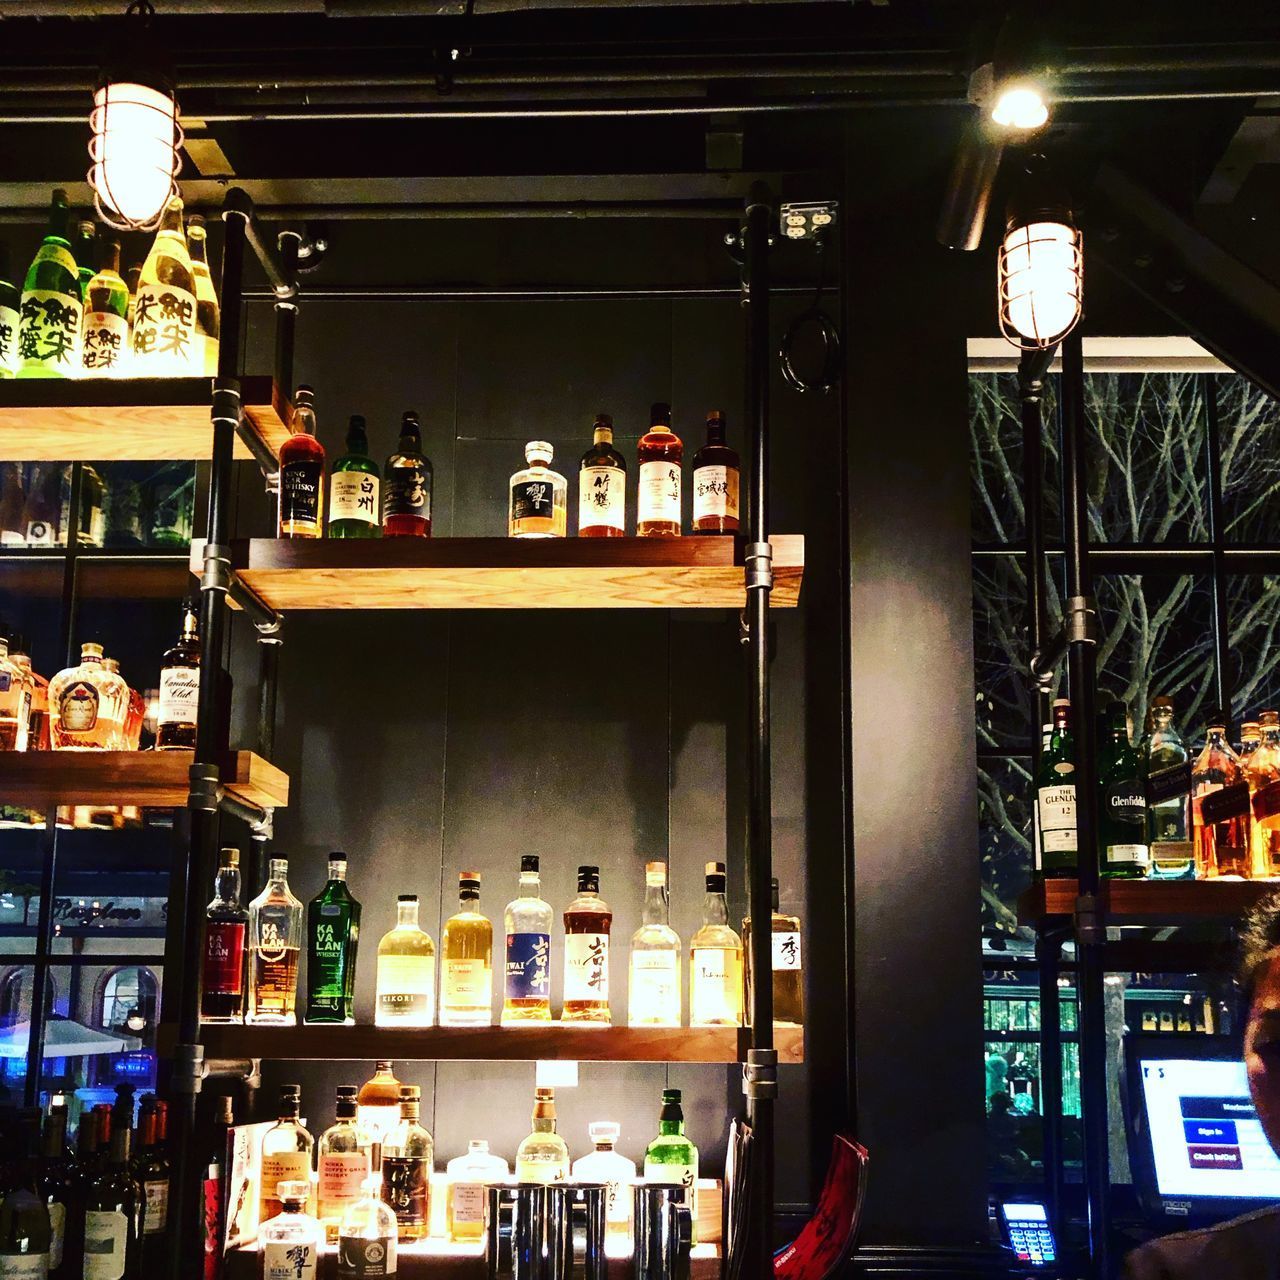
x,y
106,309
51,312
113,1212
226,921
180,686
302,473
164,311
1056,797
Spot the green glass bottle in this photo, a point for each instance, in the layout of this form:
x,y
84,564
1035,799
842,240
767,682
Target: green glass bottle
x,y
1122,803
10,301
355,505
333,934
51,312
1056,798
83,252
671,1159
106,310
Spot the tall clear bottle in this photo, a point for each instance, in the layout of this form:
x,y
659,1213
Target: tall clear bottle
x,y
290,1240
538,506
654,992
466,949
407,483
587,921
10,309
275,940
51,313
286,1152
602,485
406,975
333,937
207,317
1262,772
341,1163
1166,772
543,1155
226,922
715,961
407,1160
355,497
106,323
527,921
1220,811
164,311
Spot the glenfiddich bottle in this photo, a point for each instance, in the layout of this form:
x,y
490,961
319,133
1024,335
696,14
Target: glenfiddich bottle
x,y
1122,807
226,922
180,686
333,936
51,314
355,500
602,485
10,303
658,501
164,311
715,481
1056,797
302,473
407,483
106,309
587,920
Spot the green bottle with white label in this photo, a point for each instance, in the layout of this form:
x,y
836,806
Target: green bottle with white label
x,y
671,1159
1122,803
51,314
1056,797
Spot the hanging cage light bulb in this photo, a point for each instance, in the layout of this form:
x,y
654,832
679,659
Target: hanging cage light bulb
x,y
1020,105
136,135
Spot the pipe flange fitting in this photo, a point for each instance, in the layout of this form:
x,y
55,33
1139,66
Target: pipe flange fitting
x,y
205,791
188,1068
1081,620
757,559
760,1073
217,568
1090,929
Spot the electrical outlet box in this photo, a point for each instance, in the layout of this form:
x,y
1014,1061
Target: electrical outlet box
x,y
805,221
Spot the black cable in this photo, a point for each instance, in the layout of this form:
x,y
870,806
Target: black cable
x,y
832,351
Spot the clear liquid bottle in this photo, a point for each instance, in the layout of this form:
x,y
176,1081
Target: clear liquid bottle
x,y
290,1238
406,975
1262,772
207,316
164,311
787,963
715,961
654,992
408,479
367,1236
286,1153
226,923
602,485
605,1164
301,501
538,507
341,1163
671,1159
407,1160
51,313
1166,767
543,1156
587,921
275,940
658,503
1220,810
467,1176
106,324
355,498
527,971
466,948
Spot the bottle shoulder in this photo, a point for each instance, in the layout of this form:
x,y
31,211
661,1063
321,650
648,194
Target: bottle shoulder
x,y
716,936
656,937
406,942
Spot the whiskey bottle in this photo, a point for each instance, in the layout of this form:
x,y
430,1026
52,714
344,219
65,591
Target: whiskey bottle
x,y
406,981
715,481
715,961
1122,806
538,507
26,1234
788,969
407,1158
40,515
1220,809
91,530
290,1239
114,1208
354,497
207,316
51,313
152,1170
57,1190
15,702
164,310
226,921
180,686
341,1162
367,1236
38,715
13,502
1262,772
466,947
653,996
333,937
543,1156
671,1160
302,473
658,501
286,1153
586,953
275,937
527,922
602,485
135,709
378,1106
10,305
1250,739
406,489
1166,772
606,1165
1056,797
467,1177
106,324
87,705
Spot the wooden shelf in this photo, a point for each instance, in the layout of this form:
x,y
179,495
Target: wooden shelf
x,y
147,779
493,1044
1150,902
507,573
126,419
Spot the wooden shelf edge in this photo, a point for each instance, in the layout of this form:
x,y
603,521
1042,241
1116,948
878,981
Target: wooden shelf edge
x,y
1148,901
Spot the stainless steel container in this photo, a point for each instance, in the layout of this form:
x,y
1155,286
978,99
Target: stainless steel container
x,y
663,1227
515,1231
575,1231
555,1232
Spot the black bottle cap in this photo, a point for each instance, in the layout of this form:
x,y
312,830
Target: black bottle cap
x,y
588,879
290,1091
602,419
305,394
671,1097
407,897
660,413
345,1106
529,862
356,433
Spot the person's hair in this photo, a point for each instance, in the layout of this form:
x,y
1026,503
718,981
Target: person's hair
x,y
1259,937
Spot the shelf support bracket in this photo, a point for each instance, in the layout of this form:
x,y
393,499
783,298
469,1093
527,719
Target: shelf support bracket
x,y
760,1074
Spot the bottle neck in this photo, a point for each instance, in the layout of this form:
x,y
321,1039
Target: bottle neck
x,y
111,258
410,1111
190,626
337,871
602,435
530,884
406,915
655,904
671,1128
715,432
120,1145
469,901
290,1112
195,246
227,884
544,1124
54,1138
715,910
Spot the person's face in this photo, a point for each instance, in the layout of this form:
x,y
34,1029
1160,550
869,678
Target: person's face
x,y
1262,1047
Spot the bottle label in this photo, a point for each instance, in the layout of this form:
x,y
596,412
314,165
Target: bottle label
x,y
300,483
106,339
405,492
272,942
213,1195
360,1258
468,1203
405,1188
406,985
655,989
106,1234
156,1217
78,708
602,498
179,695
671,1175
282,1166
528,966
164,331
292,1260
353,495
57,1232
224,957
1169,784
1224,803
786,951
1136,855
659,493
1266,802
1058,818
24,1266
342,1175
586,966
40,533
467,982
8,340
715,987
533,500
49,331
715,492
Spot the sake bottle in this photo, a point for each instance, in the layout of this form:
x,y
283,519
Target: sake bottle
x,y
51,313
164,313
106,324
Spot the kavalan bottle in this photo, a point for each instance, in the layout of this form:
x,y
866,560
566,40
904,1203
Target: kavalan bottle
x,y
333,937
207,318
527,969
653,994
275,938
51,314
302,473
106,326
715,961
1220,810
658,502
164,311
602,485
466,949
587,920
226,922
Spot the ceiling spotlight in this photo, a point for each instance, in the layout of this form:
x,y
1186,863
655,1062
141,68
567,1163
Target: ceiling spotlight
x,y
1020,105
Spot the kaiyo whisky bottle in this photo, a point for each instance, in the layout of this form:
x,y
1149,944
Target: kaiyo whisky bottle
x,y
207,316
367,1236
715,481
602,485
226,922
10,305
302,473
407,484
466,949
333,937
543,1156
51,313
180,686
671,1159
1122,807
164,311
407,1157
653,994
355,500
715,961
1220,810
1166,772
538,507
527,922
787,963
275,937
587,920
1056,797
658,500
406,975
1262,772
286,1152
106,324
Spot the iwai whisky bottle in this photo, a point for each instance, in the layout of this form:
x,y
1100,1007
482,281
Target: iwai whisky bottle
x,y
538,506
602,485
226,922
653,995
587,920
1056,797
788,969
715,481
180,686
715,961
302,473
355,502
275,938
466,948
406,976
164,311
658,501
333,937
407,484
51,313
106,324
527,923
1220,809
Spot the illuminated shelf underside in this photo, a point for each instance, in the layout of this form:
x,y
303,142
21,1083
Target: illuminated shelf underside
x,y
1151,902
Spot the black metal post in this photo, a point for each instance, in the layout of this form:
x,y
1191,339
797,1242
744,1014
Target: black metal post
x,y
286,303
1049,961
1217,533
268,681
1091,934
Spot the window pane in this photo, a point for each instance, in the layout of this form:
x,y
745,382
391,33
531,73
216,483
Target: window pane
x,y
1254,608
1004,839
147,504
1249,425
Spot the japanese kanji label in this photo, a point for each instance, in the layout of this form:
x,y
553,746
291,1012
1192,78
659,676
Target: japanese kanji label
x,y
49,333
164,332
586,966
602,498
786,951
8,342
106,343
353,495
715,492
659,496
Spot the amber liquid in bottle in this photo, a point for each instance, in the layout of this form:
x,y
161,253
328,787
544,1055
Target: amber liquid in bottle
x,y
587,920
658,500
715,481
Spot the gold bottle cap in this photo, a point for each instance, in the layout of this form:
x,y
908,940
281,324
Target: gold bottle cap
x,y
469,875
715,868
655,868
543,1093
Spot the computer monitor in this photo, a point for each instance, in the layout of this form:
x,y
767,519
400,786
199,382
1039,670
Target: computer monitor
x,y
1196,1146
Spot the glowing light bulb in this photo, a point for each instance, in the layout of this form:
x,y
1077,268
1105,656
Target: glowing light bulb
x,y
1041,283
134,152
1020,106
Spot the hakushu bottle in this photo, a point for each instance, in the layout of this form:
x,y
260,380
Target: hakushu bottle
x,y
538,506
787,963
1122,807
333,938
406,975
302,473
604,1164
164,311
715,481
367,1236
1166,769
207,317
407,1158
51,313
671,1159
378,1106
466,951
180,686
543,1156
286,1153
275,938
587,920
106,324
10,305
355,499
658,501
114,1208
1220,808
527,969
1056,797
715,960
341,1163
653,994
407,484
467,1177
1262,773
602,485
290,1239
226,923
26,1233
